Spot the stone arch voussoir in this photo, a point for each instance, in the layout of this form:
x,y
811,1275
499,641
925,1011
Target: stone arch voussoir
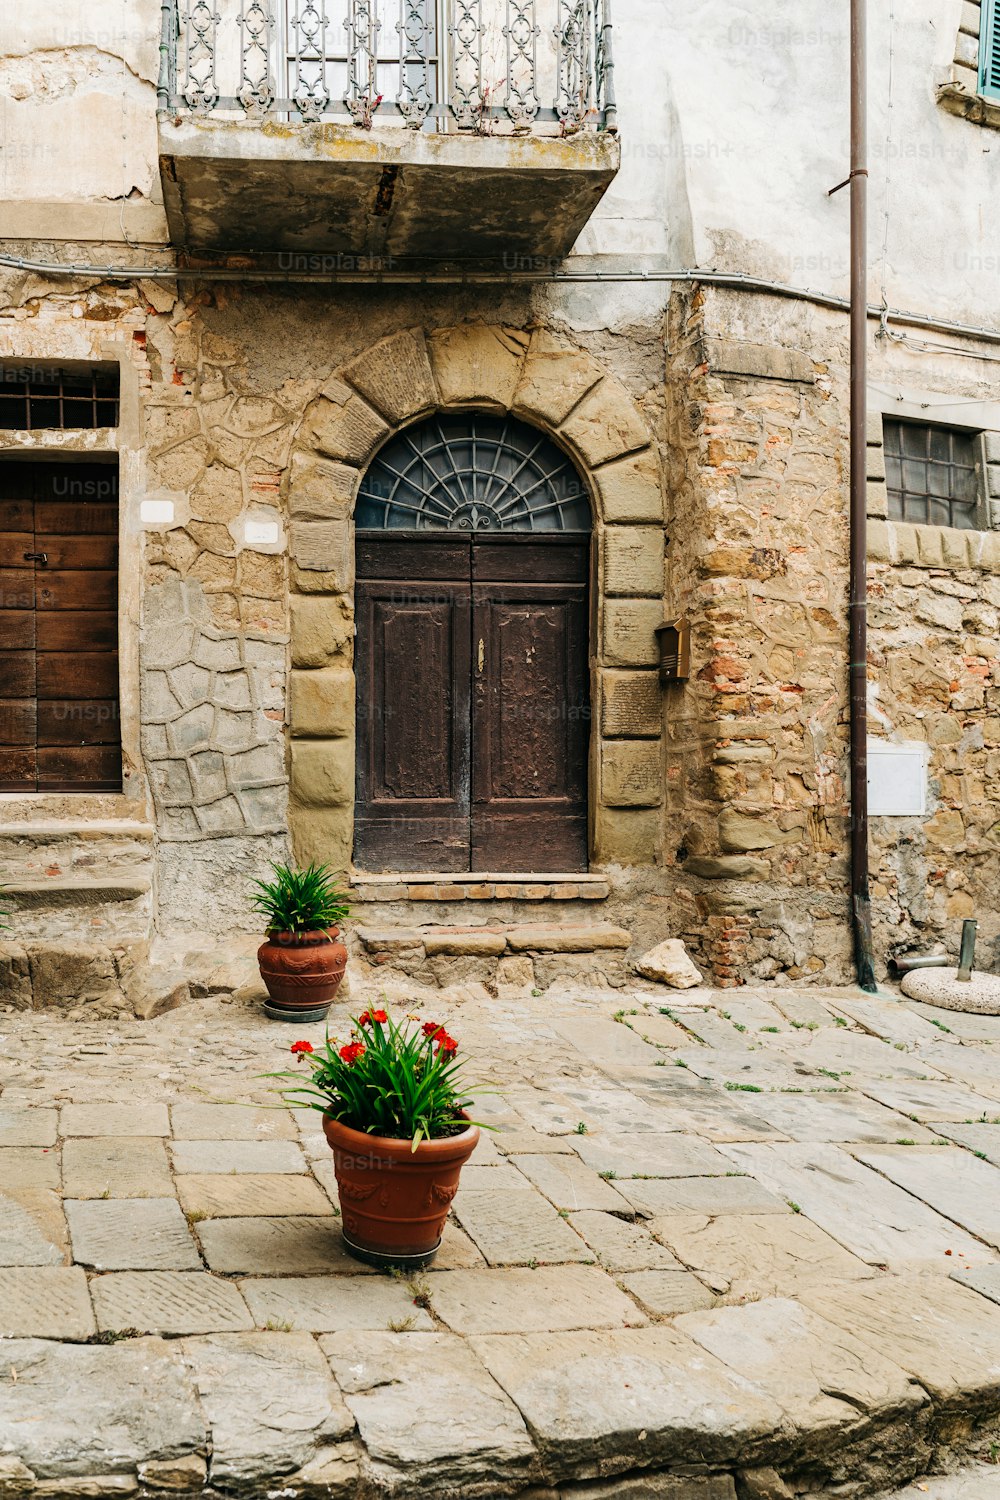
x,y
545,380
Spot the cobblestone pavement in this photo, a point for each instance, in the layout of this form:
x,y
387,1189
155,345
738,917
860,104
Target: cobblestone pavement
x,y
717,1245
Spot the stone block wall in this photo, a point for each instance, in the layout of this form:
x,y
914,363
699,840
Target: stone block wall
x,y
756,822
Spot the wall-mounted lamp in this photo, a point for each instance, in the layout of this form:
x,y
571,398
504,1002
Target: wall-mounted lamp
x,y
674,639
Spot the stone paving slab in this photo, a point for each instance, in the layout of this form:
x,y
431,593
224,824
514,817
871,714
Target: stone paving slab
x,y
272,1406
198,1157
983,1140
985,1280
251,1194
757,1255
29,1169
122,1166
547,1299
569,1183
701,1195
959,1186
329,1304
979,1482
894,1229
106,1410
672,1155
638,1396
622,1246
114,1119
24,1240
278,1247
230,1122
168,1302
45,1302
838,1117
822,1377
664,1293
137,1234
932,1102
425,1405
944,1335
28,1127
516,1228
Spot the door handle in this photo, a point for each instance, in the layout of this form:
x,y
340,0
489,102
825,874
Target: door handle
x,y
39,557
480,656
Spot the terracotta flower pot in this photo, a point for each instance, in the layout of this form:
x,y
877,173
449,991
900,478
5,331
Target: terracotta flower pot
x,y
393,1200
302,972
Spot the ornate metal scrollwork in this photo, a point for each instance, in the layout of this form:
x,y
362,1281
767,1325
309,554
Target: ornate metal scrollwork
x,y
522,34
415,45
574,54
361,94
201,90
472,471
467,63
310,93
256,90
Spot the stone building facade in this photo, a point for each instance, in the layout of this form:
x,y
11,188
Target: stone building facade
x,y
705,415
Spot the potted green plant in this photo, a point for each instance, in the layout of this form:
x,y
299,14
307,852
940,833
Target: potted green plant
x,y
301,963
394,1109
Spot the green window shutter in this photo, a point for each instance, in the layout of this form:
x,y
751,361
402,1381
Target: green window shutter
x,y
989,50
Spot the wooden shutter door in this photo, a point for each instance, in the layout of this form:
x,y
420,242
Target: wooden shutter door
x,y
989,48
530,707
413,631
59,714
18,764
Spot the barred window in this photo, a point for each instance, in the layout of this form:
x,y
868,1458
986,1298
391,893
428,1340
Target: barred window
x,y
933,475
36,395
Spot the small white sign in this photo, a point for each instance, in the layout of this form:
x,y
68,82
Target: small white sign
x,y
897,779
261,533
157,512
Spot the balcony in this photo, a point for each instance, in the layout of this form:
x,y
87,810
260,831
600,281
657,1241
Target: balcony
x,y
377,132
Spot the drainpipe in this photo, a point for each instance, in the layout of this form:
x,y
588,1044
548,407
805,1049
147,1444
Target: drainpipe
x,y
168,33
858,616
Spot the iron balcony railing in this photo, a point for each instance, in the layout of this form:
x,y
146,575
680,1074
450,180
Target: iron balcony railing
x,y
485,66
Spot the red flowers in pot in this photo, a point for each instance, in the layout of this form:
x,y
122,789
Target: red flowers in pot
x,y
394,1111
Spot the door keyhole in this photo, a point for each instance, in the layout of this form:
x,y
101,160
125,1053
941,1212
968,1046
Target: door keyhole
x,y
481,656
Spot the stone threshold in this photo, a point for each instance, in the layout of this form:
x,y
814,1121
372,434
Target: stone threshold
x,y
385,942
480,886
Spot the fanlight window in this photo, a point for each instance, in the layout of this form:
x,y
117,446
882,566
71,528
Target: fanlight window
x,y
472,472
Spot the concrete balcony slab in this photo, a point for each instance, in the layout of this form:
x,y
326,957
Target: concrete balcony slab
x,y
381,195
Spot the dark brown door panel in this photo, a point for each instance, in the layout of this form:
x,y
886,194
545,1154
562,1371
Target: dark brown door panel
x,y
413,703
59,713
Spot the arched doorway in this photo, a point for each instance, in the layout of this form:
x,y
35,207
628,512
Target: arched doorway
x,y
473,561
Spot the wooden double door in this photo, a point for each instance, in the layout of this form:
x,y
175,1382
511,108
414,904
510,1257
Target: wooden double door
x,y
59,719
473,702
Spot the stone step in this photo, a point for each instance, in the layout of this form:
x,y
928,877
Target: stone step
x,y
76,860
481,886
493,941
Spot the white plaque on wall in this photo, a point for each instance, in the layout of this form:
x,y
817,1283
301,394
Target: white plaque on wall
x,y
261,533
897,779
157,512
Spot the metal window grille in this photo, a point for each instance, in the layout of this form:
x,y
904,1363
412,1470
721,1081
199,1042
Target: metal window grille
x,y
989,50
36,396
473,472
932,475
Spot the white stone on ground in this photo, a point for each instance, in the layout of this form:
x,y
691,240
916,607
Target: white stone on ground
x,y
668,963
